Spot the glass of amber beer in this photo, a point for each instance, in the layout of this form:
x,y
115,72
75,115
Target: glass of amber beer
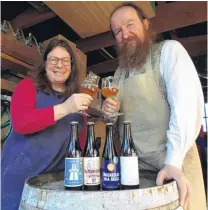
x,y
90,87
110,90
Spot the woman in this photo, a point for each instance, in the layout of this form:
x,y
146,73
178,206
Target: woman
x,y
41,112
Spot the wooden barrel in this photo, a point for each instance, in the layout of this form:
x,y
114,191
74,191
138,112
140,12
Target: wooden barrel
x,y
6,124
47,191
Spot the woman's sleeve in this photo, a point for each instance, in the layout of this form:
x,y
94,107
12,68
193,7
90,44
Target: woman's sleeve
x,y
26,118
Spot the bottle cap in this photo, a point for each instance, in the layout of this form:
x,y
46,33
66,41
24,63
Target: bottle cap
x,y
90,123
126,122
109,123
74,122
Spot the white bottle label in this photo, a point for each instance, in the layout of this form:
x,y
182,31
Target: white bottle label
x,y
91,170
129,167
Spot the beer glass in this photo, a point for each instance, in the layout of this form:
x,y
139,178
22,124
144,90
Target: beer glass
x,y
90,87
110,90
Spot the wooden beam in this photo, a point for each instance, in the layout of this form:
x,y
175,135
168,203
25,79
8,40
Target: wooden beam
x,y
96,42
8,85
21,75
168,17
29,55
13,64
16,74
104,67
161,3
191,39
89,18
179,14
195,46
31,17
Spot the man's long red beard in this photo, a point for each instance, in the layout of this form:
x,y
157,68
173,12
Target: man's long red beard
x,y
133,52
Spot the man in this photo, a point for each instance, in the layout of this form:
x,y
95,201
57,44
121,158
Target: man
x,y
160,93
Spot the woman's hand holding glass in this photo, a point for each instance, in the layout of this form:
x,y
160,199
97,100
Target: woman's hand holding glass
x,y
77,102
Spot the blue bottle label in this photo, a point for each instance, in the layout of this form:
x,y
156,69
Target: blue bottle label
x,y
110,174
73,176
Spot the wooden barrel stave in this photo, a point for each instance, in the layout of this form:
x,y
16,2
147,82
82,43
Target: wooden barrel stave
x,y
47,192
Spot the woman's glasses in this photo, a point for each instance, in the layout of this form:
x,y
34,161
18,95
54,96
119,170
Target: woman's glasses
x,y
65,61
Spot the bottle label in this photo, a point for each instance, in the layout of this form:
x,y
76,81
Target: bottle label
x,y
129,170
73,176
110,174
91,171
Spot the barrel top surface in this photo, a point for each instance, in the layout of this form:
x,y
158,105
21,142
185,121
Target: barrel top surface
x,y
47,191
55,181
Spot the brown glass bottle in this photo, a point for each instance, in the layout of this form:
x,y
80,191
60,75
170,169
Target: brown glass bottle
x,y
73,176
91,161
129,160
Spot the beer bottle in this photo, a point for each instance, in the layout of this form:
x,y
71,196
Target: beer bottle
x,y
73,177
110,162
91,161
129,160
